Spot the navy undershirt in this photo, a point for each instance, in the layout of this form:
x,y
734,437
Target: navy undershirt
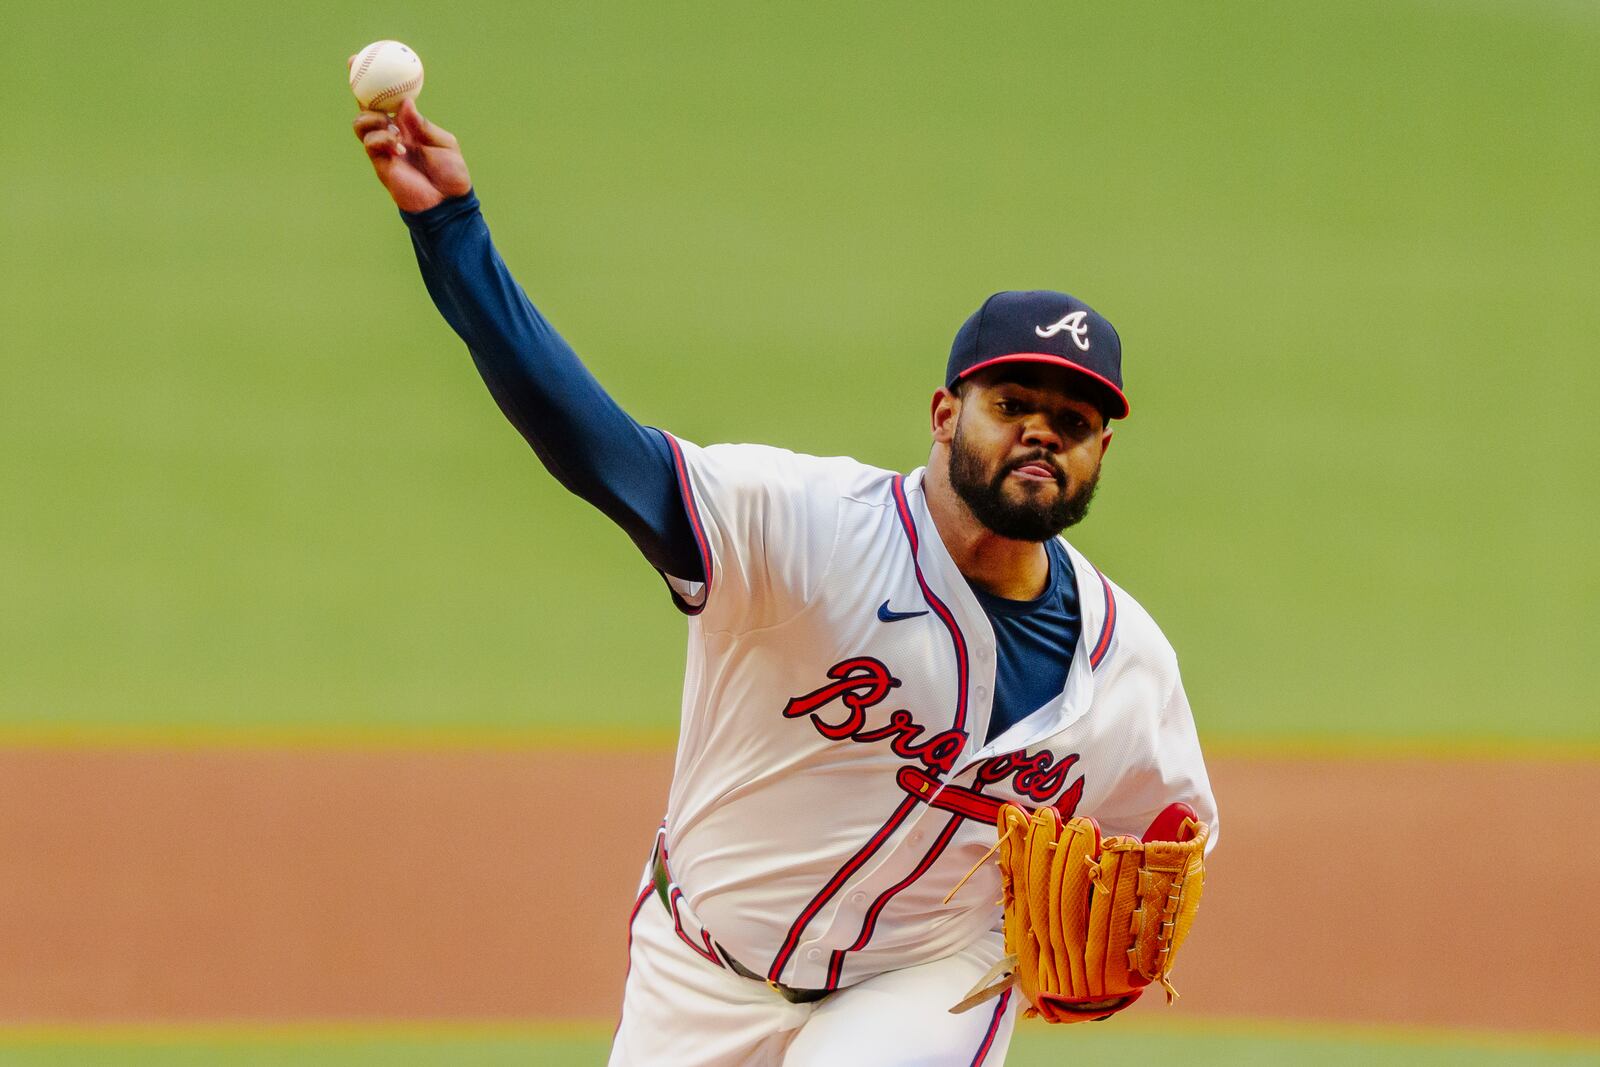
x,y
1033,643
597,451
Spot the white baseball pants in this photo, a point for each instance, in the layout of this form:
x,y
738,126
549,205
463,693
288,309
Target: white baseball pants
x,y
679,1010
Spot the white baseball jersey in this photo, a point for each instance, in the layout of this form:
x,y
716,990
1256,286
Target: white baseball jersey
x,y
832,782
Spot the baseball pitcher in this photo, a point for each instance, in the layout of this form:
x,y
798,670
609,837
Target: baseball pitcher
x,y
934,767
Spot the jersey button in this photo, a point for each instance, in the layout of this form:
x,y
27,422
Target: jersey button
x,y
814,955
858,898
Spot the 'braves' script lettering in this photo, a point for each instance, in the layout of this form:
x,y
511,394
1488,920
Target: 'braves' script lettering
x,y
862,683
939,752
1037,777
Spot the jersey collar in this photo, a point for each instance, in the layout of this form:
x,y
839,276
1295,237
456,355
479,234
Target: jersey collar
x,y
1074,702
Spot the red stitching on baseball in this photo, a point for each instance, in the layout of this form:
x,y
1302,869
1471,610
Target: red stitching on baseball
x,y
372,53
403,87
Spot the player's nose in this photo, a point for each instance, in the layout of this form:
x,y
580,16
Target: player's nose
x,y
1038,432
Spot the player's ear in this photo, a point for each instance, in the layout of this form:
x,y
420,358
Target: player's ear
x,y
942,415
1105,441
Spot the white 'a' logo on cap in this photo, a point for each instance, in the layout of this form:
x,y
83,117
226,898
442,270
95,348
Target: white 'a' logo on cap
x,y
1073,324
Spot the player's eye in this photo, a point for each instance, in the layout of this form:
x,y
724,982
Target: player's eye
x,y
1009,407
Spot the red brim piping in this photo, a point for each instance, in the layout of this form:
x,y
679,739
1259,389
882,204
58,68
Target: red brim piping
x,y
1059,361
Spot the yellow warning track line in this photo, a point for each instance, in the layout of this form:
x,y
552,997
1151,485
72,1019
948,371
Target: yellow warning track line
x,y
532,1030
1367,1034
1402,748
322,738
321,1032
664,738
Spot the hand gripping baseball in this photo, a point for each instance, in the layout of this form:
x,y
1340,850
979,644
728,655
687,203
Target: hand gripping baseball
x,y
419,163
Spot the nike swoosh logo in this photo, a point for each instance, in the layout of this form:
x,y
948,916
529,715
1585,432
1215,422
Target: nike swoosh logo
x,y
885,615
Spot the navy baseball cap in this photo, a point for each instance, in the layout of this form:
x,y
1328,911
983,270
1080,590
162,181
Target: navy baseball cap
x,y
1042,326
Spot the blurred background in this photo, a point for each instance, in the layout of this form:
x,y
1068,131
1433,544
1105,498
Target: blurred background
x,y
280,590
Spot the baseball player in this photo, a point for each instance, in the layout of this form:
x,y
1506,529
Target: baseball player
x,y
876,661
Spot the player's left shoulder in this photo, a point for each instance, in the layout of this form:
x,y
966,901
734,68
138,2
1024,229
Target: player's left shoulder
x,y
1123,633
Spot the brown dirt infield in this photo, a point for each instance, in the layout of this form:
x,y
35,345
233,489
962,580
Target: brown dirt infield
x,y
144,886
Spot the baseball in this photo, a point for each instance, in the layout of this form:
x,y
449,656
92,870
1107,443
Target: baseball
x,y
383,74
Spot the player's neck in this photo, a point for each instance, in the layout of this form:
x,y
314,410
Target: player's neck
x,y
1014,570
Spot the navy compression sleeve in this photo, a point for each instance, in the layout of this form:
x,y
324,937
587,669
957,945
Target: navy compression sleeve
x,y
578,431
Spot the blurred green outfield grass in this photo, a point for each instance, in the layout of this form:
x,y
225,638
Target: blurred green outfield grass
x,y
251,480
1238,1045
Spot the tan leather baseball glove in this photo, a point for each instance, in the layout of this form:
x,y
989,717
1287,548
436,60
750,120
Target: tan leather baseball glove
x,y
1089,922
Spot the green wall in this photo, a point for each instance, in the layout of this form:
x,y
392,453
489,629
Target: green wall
x,y
252,480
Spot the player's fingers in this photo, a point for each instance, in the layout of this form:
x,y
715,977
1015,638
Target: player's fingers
x,y
383,144
420,131
368,121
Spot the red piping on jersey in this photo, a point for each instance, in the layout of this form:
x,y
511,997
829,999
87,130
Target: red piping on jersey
x,y
869,927
939,609
1107,627
686,490
633,917
903,510
775,972
909,527
994,1028
705,949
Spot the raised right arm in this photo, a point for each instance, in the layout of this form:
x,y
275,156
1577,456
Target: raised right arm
x,y
583,437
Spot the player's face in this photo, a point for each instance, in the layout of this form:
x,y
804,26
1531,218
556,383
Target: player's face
x,y
1025,455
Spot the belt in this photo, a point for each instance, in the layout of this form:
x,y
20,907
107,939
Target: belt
x,y
789,993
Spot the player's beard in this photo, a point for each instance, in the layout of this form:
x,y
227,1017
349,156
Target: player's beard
x,y
1035,517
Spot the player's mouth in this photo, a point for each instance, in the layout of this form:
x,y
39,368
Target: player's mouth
x,y
1037,471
